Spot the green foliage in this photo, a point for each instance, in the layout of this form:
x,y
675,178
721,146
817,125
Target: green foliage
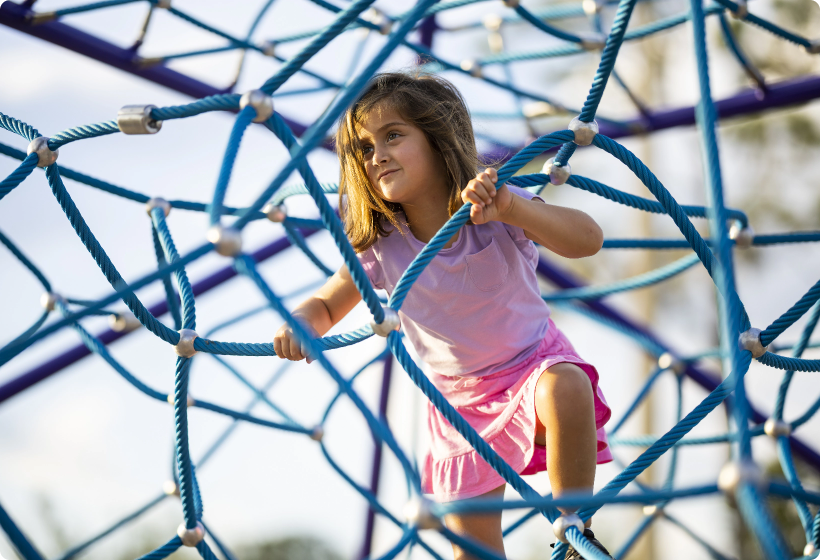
x,y
289,548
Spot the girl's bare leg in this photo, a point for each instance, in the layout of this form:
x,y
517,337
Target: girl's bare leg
x,y
565,410
484,528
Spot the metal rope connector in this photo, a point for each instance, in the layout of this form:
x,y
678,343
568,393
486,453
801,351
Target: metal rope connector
x,y
391,322
558,173
136,119
261,102
563,524
45,155
191,537
185,346
227,240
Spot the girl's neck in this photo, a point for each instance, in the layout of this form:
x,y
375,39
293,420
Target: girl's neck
x,y
427,217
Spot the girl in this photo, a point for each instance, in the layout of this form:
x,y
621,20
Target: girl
x,y
475,315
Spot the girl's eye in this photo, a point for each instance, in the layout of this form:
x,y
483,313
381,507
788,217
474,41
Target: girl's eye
x,y
366,149
392,135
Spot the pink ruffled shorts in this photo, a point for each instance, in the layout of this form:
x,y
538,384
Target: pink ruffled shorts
x,y
501,407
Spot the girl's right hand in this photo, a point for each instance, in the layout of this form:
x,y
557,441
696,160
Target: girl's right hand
x,y
288,346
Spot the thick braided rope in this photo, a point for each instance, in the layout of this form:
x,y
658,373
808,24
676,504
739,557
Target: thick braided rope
x,y
81,132
101,258
164,551
18,175
188,311
797,351
18,127
789,317
240,125
170,295
608,57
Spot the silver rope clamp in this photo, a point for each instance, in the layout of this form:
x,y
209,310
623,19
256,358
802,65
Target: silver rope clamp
x,y
49,300
735,473
158,202
226,240
472,67
261,102
776,428
125,321
750,340
185,346
275,212
391,322
563,524
813,47
558,173
45,155
191,537
592,41
136,119
317,433
189,400
584,131
667,360
268,48
742,236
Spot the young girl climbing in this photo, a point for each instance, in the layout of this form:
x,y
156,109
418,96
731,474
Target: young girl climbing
x,y
475,315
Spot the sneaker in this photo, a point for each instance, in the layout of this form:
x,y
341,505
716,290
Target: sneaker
x,y
573,554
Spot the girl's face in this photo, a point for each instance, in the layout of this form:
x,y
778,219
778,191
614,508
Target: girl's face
x,y
398,159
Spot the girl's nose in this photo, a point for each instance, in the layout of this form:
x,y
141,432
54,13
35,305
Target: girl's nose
x,y
380,155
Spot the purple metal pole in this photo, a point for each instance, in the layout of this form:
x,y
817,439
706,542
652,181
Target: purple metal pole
x,y
375,474
16,16
563,279
782,94
75,354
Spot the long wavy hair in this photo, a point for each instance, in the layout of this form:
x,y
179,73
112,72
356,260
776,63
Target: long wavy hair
x,y
426,101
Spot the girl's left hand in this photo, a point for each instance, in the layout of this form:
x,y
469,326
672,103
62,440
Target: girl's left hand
x,y
488,202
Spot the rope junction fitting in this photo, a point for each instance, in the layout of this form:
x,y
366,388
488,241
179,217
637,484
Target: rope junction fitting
x,y
136,119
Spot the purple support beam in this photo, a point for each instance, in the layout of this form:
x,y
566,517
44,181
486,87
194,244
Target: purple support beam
x,y
75,354
375,474
16,16
779,95
564,280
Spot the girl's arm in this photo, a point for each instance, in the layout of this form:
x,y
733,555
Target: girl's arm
x,y
565,231
318,314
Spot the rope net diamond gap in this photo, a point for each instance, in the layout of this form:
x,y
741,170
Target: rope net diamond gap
x,y
612,25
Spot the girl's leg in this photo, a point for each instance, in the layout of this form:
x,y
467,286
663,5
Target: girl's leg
x,y
484,528
565,409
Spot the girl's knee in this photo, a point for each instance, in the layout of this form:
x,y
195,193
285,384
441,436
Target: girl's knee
x,y
565,380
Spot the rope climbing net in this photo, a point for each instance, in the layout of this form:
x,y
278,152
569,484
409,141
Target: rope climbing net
x,y
729,228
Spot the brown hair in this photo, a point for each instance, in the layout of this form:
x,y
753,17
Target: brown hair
x,y
426,101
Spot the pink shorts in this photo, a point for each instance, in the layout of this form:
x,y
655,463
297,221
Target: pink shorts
x,y
501,407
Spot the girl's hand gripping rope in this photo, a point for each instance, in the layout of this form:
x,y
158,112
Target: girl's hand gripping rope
x,y
289,347
488,202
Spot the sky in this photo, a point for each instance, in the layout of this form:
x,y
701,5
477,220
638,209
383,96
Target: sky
x,y
85,448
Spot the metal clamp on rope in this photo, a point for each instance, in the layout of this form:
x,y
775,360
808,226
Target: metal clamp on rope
x,y
742,10
391,322
593,41
136,119
260,101
814,47
45,155
563,524
124,321
558,173
226,240
275,212
158,202
776,428
49,300
668,361
472,67
742,236
733,474
750,340
185,346
584,131
191,537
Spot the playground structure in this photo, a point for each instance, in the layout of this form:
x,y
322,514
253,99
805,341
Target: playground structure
x,y
729,228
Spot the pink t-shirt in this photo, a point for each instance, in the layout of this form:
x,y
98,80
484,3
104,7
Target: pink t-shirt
x,y
476,309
